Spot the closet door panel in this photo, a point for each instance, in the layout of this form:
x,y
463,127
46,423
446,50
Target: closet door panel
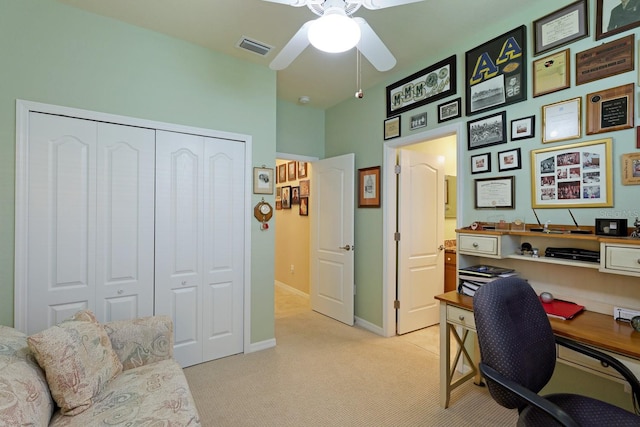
x,y
125,216
61,218
179,229
223,248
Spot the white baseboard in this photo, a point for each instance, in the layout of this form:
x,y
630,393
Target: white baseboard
x,y
291,289
370,326
262,345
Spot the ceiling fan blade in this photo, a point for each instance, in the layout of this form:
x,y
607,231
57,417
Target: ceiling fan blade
x,y
292,49
296,3
373,48
381,4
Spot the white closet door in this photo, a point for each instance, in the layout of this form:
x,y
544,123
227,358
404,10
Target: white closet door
x,y
223,248
125,222
179,240
61,219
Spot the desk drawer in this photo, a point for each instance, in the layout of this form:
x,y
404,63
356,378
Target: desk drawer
x,y
589,364
478,245
623,258
461,317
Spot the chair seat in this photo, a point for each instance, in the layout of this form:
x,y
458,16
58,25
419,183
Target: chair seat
x,y
584,410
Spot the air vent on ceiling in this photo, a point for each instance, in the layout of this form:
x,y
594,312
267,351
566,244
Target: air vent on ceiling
x,y
254,46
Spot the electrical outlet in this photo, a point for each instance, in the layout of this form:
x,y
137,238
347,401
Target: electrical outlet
x,y
626,314
292,269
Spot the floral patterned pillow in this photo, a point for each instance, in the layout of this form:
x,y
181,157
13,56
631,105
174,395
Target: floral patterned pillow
x,y
78,360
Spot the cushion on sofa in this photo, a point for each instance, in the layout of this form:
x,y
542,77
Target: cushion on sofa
x,y
151,395
24,393
141,341
78,359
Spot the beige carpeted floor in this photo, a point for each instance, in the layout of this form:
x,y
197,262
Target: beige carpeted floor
x,y
324,373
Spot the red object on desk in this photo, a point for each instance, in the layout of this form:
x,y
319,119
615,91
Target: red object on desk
x,y
562,309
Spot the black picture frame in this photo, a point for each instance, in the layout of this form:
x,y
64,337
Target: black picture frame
x,y
604,9
509,159
428,85
487,130
450,110
495,193
496,72
523,128
481,163
574,16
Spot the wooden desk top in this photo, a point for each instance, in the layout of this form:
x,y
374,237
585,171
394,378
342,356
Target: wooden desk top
x,y
588,327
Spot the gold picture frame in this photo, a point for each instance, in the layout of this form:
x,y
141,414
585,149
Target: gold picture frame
x,y
552,73
631,169
369,187
572,176
611,109
561,120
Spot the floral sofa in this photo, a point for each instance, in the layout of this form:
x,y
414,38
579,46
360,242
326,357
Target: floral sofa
x,y
83,373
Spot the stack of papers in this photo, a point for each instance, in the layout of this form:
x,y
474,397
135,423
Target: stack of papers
x,y
471,278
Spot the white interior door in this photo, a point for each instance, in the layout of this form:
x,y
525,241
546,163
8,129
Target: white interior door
x,y
332,237
420,250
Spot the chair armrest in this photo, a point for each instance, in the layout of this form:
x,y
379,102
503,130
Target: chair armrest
x,y
529,396
141,341
606,360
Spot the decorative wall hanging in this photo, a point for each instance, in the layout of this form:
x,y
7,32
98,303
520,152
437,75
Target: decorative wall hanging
x,y
369,187
263,180
392,128
571,176
489,130
495,72
481,163
552,73
523,128
495,193
561,120
561,27
449,110
610,109
631,169
605,60
428,85
612,19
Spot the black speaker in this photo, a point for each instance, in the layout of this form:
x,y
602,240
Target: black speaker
x,y
611,227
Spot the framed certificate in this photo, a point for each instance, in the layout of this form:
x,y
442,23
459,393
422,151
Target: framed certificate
x,y
561,121
551,73
559,28
495,193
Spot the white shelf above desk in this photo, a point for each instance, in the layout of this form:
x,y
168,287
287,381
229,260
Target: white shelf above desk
x,y
558,261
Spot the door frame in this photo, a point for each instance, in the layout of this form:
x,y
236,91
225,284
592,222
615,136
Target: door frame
x,y
389,212
24,108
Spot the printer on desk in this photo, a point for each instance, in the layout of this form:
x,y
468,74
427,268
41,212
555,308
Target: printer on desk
x,y
573,253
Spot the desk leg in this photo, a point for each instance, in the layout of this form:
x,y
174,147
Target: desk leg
x,y
477,379
445,356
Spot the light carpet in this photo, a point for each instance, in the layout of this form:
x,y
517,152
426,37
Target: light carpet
x,y
324,373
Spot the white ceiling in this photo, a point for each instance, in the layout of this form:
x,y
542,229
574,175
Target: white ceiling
x,y
412,32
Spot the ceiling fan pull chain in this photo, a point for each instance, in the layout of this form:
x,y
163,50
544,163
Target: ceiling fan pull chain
x,y
359,93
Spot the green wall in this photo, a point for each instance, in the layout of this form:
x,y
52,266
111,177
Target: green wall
x,y
355,125
300,130
56,54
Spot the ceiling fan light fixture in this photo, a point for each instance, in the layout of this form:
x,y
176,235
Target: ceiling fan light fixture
x,y
334,32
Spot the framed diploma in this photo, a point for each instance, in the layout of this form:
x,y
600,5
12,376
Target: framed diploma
x,y
561,27
561,121
551,73
495,193
610,109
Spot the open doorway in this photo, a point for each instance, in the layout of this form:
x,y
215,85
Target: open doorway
x,y
390,219
292,234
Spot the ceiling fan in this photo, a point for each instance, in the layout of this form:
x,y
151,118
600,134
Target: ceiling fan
x,y
337,31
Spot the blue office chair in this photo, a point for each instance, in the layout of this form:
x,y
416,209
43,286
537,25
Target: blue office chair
x,y
518,356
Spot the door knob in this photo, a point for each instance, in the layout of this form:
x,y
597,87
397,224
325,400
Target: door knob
x,y
441,247
346,248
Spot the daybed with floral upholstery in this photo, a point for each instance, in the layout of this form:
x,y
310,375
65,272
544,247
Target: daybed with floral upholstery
x,y
82,373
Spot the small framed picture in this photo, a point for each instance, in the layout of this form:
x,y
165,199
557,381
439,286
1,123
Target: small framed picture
x,y
631,169
291,175
286,197
392,128
481,163
488,130
295,195
449,110
523,128
282,173
278,204
369,187
302,170
418,121
509,160
304,188
262,180
304,206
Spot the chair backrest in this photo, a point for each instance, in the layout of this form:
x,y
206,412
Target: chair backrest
x,y
515,336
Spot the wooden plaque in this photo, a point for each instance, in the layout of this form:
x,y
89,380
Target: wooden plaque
x,y
610,109
605,60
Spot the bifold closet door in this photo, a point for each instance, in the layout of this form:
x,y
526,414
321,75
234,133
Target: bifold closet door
x,y
200,244
90,220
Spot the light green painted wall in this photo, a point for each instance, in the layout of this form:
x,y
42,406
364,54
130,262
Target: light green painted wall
x,y
57,54
300,130
355,126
